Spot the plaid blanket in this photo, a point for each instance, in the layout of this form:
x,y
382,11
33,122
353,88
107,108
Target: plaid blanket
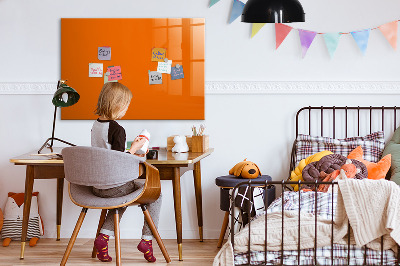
x,y
323,205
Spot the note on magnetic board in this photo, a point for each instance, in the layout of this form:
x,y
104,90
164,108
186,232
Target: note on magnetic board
x,y
106,78
115,73
95,70
177,72
155,77
104,53
164,67
158,54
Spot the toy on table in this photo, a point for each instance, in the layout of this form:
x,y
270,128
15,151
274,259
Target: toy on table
x,y
13,215
180,144
245,169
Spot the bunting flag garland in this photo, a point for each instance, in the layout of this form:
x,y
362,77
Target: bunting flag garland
x,y
256,27
213,2
281,31
332,41
361,37
389,30
237,9
306,39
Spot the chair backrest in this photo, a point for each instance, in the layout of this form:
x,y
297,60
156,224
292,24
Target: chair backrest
x,y
92,166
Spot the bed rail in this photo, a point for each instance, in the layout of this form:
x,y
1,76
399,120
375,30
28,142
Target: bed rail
x,y
265,185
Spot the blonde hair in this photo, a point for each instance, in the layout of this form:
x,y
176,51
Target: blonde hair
x,y
113,98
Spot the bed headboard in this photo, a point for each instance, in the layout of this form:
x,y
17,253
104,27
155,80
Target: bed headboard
x,y
344,121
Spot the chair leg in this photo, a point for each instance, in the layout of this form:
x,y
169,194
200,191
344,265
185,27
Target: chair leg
x,y
154,230
223,229
117,239
73,237
101,222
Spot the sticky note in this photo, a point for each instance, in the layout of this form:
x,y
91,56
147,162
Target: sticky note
x,y
177,72
95,70
158,54
164,67
155,77
106,78
115,73
104,53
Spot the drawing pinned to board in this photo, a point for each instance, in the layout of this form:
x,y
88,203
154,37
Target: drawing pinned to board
x,y
164,67
177,72
95,70
115,73
158,54
155,77
104,53
106,78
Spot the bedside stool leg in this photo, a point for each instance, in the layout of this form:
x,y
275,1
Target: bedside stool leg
x,y
223,229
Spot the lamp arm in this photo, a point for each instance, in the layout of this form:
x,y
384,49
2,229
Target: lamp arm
x,y
54,126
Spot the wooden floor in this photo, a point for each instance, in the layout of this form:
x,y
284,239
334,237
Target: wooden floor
x,y
50,252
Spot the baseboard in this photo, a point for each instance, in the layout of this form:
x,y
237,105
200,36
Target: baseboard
x,y
247,87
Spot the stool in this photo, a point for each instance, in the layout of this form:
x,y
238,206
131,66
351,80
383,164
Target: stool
x,y
226,183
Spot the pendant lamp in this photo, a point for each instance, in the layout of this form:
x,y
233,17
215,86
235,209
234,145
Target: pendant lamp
x,y
272,11
63,97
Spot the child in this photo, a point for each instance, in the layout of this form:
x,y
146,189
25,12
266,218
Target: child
x,y
113,102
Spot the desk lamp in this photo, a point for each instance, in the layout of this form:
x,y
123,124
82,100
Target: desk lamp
x,y
63,97
272,11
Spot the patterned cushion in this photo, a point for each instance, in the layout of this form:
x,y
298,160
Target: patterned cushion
x,y
372,144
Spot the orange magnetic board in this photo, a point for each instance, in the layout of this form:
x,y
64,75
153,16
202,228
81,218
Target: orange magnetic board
x,y
132,41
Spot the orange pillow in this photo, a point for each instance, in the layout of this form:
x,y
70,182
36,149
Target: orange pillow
x,y
375,170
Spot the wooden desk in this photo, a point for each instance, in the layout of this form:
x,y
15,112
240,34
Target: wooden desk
x,y
171,167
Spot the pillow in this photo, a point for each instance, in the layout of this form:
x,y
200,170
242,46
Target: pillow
x,y
372,144
375,170
393,148
296,174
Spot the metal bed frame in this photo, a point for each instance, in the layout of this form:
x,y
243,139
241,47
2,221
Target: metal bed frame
x,y
284,183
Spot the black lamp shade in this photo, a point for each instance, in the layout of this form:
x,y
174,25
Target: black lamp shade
x,y
73,96
273,11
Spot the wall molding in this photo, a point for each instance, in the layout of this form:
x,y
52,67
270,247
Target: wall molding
x,y
247,87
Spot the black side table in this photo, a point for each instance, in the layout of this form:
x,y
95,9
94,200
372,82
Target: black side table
x,y
226,183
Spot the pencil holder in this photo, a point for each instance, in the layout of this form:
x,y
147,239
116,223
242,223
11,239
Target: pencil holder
x,y
200,143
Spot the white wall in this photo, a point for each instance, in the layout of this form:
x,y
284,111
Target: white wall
x,y
259,127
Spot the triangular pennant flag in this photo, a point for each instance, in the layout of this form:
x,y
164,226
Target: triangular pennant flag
x,y
255,28
390,32
213,2
306,39
361,37
332,41
237,9
281,31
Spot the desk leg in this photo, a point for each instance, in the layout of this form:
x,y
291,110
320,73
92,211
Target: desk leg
x,y
27,206
176,182
60,190
197,189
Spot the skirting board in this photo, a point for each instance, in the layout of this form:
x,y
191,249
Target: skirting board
x,y
248,87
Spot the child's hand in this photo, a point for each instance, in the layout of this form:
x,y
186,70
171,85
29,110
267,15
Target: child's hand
x,y
137,144
142,155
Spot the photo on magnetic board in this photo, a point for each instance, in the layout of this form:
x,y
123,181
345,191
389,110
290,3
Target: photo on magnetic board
x,y
132,42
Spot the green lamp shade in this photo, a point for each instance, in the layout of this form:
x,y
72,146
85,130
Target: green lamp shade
x,y
65,96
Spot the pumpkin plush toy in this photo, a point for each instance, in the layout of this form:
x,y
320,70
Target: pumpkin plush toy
x,y
13,214
245,169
